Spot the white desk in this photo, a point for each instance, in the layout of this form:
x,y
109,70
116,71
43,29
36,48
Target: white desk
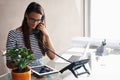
x,y
106,69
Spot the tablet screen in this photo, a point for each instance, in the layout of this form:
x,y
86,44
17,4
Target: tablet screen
x,y
43,70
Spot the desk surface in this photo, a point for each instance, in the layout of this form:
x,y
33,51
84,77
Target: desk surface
x,y
107,68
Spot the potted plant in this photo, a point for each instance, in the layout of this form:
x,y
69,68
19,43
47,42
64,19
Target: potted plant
x,y
21,58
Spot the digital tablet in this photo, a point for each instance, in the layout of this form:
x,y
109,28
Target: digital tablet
x,y
43,70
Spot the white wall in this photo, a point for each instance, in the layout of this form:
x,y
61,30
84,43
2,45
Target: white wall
x,y
63,19
105,19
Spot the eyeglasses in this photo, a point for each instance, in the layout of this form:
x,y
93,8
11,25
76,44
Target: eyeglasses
x,y
34,20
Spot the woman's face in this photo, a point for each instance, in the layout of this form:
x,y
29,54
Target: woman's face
x,y
33,19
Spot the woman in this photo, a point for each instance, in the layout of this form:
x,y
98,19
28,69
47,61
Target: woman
x,y
32,34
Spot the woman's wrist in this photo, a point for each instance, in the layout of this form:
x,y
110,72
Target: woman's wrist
x,y
47,37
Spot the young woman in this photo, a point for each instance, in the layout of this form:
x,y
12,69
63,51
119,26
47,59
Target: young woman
x,y
31,34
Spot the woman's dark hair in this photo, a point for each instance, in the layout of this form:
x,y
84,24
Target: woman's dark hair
x,y
32,7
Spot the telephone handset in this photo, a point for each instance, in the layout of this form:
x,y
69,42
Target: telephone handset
x,y
36,31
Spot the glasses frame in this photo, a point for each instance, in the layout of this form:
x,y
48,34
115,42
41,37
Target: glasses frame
x,y
34,20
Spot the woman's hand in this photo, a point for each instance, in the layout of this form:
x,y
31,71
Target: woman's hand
x,y
42,28
11,65
30,69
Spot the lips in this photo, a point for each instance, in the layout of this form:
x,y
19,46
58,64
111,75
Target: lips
x,y
33,26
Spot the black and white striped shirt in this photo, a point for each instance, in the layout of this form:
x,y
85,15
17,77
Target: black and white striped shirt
x,y
15,40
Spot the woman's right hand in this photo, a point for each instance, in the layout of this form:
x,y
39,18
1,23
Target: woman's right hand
x,y
11,65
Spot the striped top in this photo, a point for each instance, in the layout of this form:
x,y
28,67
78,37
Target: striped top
x,y
15,40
